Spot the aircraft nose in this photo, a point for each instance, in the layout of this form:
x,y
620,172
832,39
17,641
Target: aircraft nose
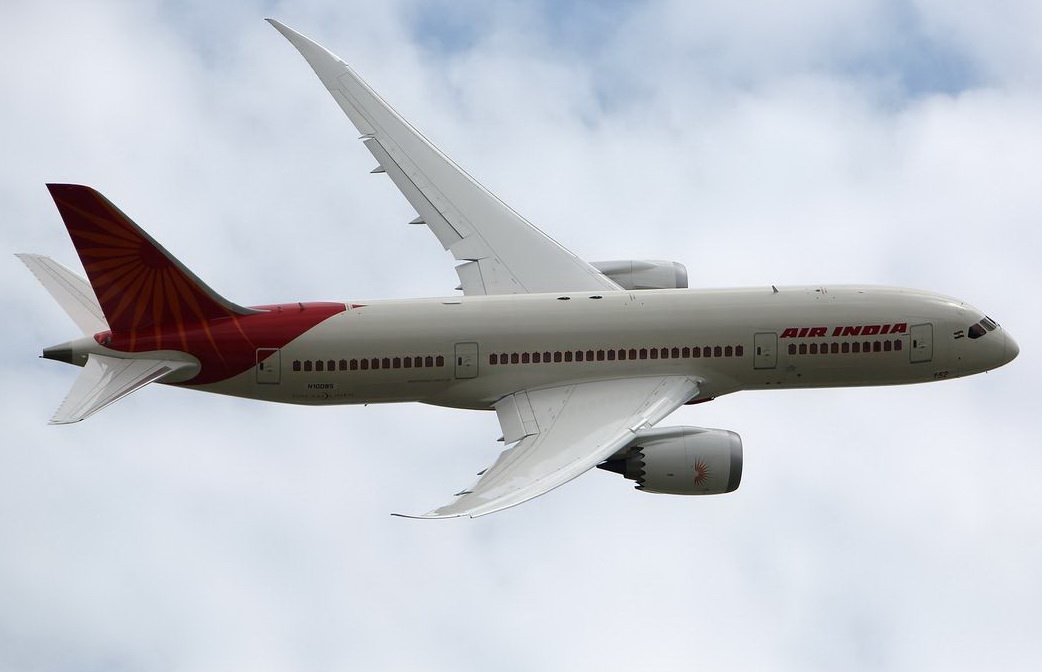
x,y
1011,349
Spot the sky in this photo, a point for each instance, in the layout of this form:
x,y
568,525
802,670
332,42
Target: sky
x,y
872,141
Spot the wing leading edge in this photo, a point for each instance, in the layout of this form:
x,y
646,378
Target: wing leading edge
x,y
502,252
563,432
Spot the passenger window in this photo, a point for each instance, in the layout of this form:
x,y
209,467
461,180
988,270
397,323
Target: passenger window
x,y
374,363
396,362
845,348
331,365
536,357
589,355
514,359
696,352
320,365
343,365
654,353
792,348
835,348
611,355
600,355
897,345
365,365
855,347
707,351
739,350
675,353
633,353
296,365
407,362
526,358
439,360
354,364
813,348
877,347
546,357
428,361
578,355
803,348
887,346
718,351
557,357
493,358
664,353
567,355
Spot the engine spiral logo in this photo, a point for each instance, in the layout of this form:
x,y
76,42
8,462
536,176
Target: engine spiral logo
x,y
701,473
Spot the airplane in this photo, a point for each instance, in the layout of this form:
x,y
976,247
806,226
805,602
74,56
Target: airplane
x,y
580,361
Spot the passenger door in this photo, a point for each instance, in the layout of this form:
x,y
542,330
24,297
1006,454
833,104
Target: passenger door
x,y
269,369
921,337
765,350
466,360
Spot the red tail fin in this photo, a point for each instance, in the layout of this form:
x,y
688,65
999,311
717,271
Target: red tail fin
x,y
138,283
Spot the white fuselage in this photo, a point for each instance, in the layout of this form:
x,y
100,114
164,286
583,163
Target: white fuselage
x,y
471,351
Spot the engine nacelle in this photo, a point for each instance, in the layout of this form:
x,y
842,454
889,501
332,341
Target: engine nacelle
x,y
682,461
643,274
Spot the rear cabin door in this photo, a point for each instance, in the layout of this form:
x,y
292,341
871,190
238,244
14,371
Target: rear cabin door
x,y
269,369
765,350
922,342
466,360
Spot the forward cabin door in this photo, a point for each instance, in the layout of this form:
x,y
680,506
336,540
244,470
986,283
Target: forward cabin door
x,y
466,360
269,369
921,336
765,350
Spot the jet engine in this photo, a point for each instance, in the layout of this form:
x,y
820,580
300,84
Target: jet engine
x,y
644,274
681,461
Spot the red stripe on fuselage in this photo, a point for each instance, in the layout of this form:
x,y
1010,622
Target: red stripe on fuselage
x,y
226,347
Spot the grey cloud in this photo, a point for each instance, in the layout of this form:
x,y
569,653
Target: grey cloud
x,y
875,529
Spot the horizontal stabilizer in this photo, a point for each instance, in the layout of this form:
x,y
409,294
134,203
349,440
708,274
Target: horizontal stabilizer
x,y
105,380
73,293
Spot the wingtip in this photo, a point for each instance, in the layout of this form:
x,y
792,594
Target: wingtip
x,y
298,39
423,516
325,63
277,25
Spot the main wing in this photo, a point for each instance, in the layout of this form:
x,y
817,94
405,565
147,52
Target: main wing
x,y
502,252
562,432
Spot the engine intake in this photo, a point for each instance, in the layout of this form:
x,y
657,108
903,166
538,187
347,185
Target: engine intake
x,y
644,274
681,461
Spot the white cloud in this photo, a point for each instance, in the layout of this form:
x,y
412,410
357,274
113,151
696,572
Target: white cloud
x,y
881,528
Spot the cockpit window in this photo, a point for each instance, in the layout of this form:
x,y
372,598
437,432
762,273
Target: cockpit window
x,y
989,324
976,331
